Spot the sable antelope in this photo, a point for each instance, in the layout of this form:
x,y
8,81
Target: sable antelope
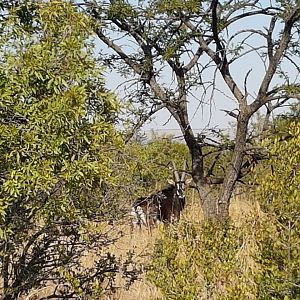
x,y
164,206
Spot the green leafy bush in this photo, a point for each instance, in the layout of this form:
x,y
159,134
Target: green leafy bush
x,y
203,261
57,141
279,235
257,259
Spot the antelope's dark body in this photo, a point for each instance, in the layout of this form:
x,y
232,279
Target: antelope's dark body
x,y
164,206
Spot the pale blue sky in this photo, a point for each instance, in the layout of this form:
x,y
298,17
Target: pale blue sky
x,y
211,115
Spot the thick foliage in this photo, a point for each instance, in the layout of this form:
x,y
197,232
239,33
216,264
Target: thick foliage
x,y
152,161
204,261
57,138
260,258
279,236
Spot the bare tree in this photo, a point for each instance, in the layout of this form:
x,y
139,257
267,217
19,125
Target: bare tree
x,y
201,42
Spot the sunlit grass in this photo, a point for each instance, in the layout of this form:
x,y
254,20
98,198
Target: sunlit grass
x,y
140,242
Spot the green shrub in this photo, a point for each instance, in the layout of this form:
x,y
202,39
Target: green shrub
x,y
279,236
203,261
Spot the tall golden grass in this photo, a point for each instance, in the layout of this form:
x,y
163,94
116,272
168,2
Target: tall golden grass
x,y
141,242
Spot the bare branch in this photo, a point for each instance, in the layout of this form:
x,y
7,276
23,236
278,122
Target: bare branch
x,y
245,82
230,113
285,39
297,67
222,65
136,67
270,11
269,37
143,119
194,60
211,169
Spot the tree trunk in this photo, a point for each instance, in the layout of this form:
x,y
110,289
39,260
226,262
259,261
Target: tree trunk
x,y
214,206
234,168
208,200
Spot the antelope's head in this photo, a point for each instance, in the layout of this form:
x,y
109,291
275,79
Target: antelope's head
x,y
179,180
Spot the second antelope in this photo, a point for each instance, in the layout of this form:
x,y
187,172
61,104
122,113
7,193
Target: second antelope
x,y
164,206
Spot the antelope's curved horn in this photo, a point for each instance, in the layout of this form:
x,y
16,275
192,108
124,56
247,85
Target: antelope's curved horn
x,y
175,171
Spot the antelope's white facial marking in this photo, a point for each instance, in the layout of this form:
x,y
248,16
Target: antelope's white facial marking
x,y
180,189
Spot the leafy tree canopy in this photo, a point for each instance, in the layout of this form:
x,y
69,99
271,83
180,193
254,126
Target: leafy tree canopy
x,y
57,138
56,116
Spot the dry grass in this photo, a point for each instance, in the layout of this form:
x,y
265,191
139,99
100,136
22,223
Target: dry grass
x,y
141,242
